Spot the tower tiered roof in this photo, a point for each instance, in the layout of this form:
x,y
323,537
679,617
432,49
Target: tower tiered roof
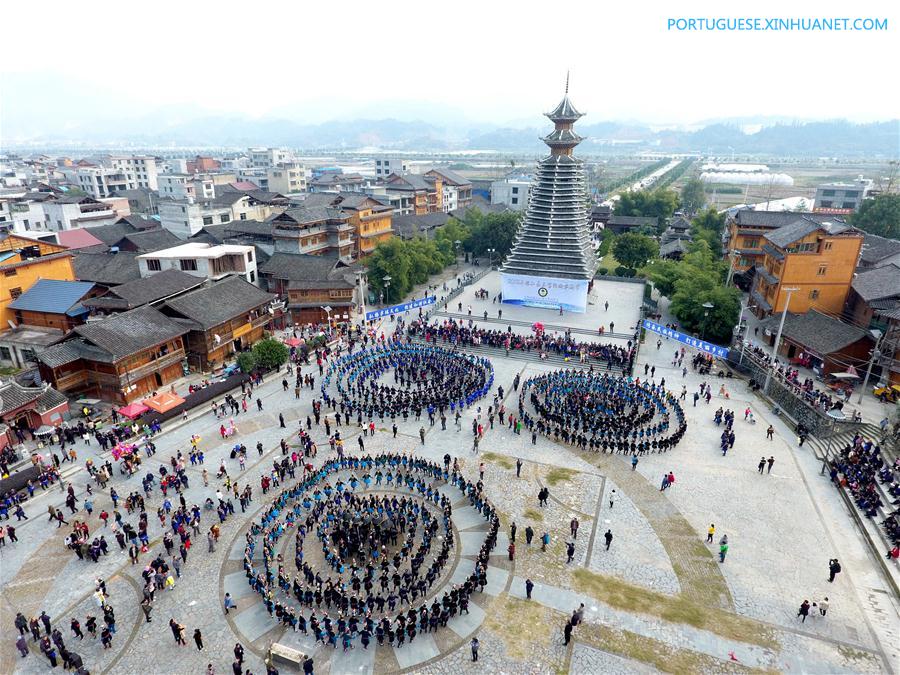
x,y
554,238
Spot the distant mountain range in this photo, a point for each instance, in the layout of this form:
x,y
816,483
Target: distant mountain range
x,y
819,139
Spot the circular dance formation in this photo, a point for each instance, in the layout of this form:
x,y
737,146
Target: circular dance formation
x,y
372,537
424,377
602,413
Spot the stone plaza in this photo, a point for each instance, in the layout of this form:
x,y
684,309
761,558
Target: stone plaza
x,y
656,599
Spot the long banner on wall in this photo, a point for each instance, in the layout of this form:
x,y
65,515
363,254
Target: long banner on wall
x,y
399,309
547,292
707,347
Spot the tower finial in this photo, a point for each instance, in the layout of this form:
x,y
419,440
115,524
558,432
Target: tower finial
x,y
567,83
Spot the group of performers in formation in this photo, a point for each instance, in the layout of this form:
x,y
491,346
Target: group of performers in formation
x,y
355,531
602,412
424,377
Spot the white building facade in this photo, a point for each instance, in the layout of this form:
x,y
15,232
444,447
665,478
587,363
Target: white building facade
x,y
513,192
203,260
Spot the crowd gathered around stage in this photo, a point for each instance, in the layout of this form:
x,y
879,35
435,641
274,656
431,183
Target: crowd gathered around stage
x,y
601,412
453,332
424,377
356,606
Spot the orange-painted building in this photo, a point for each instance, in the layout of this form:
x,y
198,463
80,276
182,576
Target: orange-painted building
x,y
22,262
816,258
427,192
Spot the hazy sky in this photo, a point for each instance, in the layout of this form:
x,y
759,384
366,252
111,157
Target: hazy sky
x,y
499,61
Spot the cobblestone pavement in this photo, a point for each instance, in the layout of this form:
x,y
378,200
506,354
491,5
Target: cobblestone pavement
x,y
782,527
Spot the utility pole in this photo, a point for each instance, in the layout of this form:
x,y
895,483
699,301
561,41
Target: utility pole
x,y
875,356
787,303
732,256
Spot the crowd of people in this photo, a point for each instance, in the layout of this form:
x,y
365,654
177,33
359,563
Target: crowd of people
x,y
423,377
602,412
455,333
860,466
357,606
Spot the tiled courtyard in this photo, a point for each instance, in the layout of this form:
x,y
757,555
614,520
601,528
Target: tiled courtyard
x,y
657,600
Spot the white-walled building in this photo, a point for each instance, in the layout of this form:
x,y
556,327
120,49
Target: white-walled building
x,y
186,186
286,179
385,166
140,169
203,260
259,176
69,212
185,219
513,192
102,181
267,157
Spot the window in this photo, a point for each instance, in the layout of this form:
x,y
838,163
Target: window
x,y
154,265
249,256
188,265
252,277
10,273
515,200
827,203
5,354
752,242
207,220
848,205
243,216
828,193
515,190
851,194
822,270
223,218
828,245
15,292
814,294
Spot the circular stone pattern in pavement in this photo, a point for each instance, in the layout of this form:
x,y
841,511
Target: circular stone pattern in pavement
x,y
371,539
400,378
602,412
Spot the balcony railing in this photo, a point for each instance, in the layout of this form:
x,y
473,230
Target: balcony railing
x,y
157,364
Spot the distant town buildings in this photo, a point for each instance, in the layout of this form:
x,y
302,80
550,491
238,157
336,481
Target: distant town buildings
x,y
512,192
841,198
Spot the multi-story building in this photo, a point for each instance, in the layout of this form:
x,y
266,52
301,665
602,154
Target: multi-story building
x,y
457,190
745,232
202,260
841,198
311,282
22,262
878,252
512,191
371,219
258,176
385,166
102,181
426,192
317,230
223,317
268,157
121,358
53,303
818,259
338,182
186,186
141,170
202,165
68,212
185,218
286,179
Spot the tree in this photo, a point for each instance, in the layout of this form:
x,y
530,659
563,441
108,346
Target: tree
x,y
634,250
270,353
246,361
693,196
496,231
391,258
880,216
663,274
660,203
710,219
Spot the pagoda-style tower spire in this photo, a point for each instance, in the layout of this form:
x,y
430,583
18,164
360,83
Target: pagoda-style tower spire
x,y
554,237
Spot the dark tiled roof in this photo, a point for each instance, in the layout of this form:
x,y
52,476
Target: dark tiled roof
x,y
775,219
763,273
452,178
130,332
409,181
876,249
302,215
150,240
136,221
411,226
816,332
878,283
680,223
636,221
109,269
13,396
300,267
214,304
142,291
677,246
53,297
110,234
772,251
760,301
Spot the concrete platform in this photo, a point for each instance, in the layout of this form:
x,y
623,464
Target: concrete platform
x,y
254,621
466,624
413,653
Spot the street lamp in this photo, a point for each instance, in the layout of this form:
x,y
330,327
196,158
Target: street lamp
x,y
386,279
491,252
706,307
771,367
457,244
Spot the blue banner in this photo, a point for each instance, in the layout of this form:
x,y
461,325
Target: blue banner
x,y
707,347
399,309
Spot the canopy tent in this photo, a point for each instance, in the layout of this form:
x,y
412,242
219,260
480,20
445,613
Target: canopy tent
x,y
133,410
845,376
44,430
163,401
293,342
